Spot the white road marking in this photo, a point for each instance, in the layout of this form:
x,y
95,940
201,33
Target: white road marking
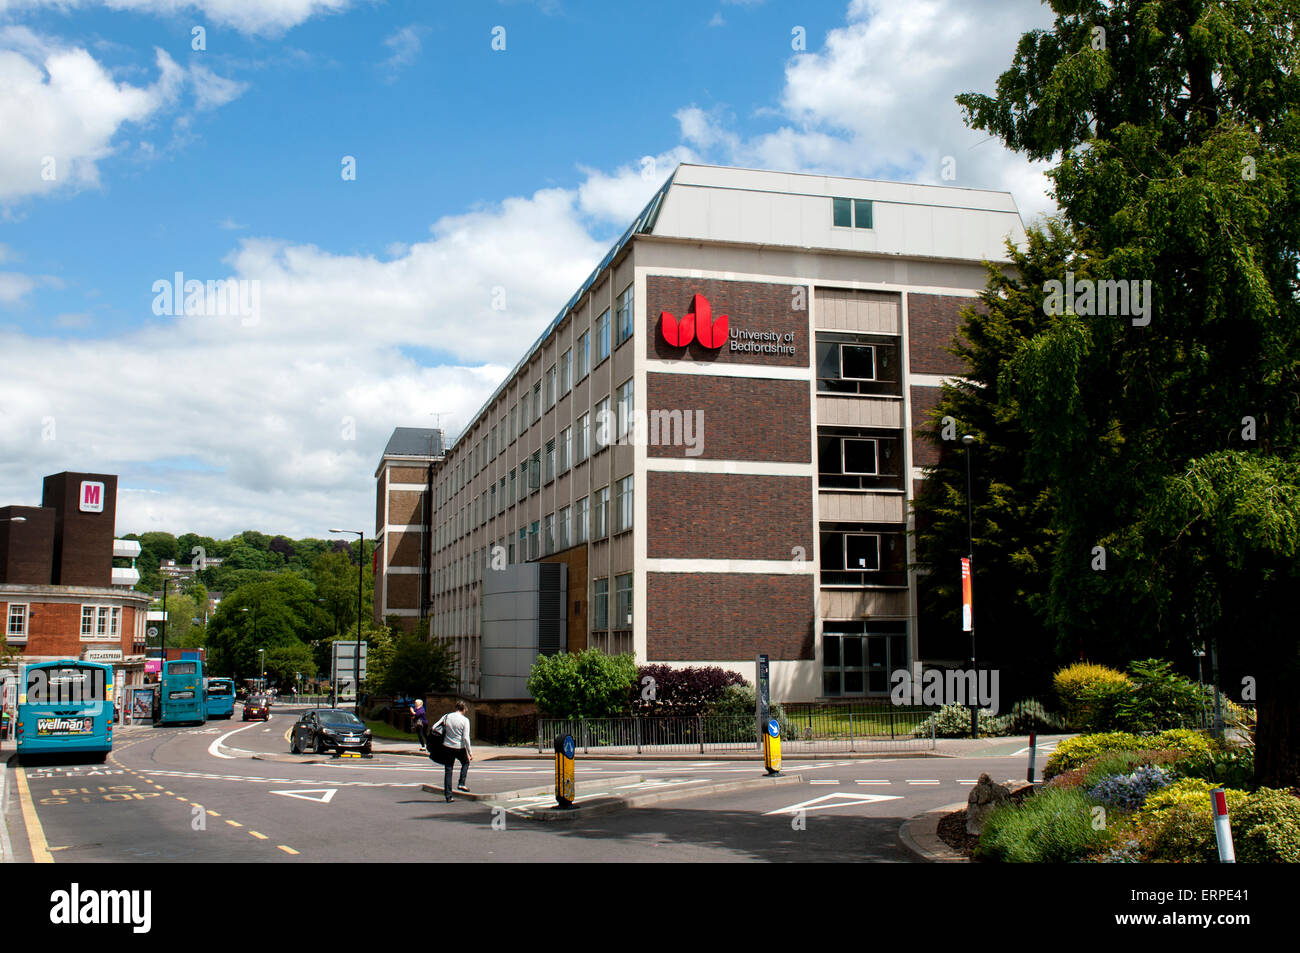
x,y
875,782
926,781
847,799
323,795
216,744
823,781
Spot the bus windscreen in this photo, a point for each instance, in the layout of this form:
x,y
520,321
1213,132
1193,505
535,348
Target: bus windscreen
x,y
182,668
220,688
66,685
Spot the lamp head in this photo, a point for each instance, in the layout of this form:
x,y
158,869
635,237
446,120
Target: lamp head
x,y
967,440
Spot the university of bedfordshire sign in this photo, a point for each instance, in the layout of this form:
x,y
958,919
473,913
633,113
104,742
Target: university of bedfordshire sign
x,y
700,324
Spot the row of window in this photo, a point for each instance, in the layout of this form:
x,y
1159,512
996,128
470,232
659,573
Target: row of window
x,y
850,363
568,449
97,622
571,367
600,617
590,517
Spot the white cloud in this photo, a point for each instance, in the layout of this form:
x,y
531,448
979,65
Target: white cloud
x,y
618,197
14,286
877,100
405,44
266,17
61,110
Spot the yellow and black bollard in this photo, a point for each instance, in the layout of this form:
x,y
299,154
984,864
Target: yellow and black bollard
x,y
564,789
772,748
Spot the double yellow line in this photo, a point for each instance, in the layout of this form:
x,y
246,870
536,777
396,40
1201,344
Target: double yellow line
x,y
35,833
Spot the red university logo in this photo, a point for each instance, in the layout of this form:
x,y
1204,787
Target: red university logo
x,y
697,324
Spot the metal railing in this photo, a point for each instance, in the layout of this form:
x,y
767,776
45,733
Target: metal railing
x,y
854,729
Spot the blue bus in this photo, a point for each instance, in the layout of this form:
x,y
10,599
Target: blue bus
x,y
65,707
182,692
220,696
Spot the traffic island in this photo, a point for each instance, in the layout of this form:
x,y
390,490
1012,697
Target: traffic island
x,y
648,795
920,835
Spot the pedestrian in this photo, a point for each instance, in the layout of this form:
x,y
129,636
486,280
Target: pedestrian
x,y
421,720
455,743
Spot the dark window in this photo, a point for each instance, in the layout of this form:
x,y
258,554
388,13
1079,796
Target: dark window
x,y
861,213
859,456
843,212
857,362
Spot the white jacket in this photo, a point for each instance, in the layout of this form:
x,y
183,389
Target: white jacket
x,y
455,728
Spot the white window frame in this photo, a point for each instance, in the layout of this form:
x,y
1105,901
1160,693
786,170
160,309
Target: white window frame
x,y
566,372
21,632
844,548
874,369
844,457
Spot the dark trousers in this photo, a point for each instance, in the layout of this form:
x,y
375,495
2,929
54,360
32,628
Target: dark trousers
x,y
420,729
453,755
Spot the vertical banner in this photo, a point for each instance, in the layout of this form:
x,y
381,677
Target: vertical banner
x,y
967,619
762,694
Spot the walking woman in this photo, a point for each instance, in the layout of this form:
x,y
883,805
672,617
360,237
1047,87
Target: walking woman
x,y
421,721
455,743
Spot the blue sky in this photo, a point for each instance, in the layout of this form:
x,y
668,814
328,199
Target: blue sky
x,y
476,169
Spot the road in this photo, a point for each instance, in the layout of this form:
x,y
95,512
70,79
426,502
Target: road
x,y
169,794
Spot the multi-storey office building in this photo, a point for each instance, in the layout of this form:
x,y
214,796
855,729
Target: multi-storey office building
x,y
715,434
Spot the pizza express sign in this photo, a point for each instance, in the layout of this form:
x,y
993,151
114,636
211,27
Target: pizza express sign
x,y
713,331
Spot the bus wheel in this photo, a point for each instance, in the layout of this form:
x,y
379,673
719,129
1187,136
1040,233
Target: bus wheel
x,y
101,757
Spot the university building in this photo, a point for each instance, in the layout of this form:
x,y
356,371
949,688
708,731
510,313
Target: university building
x,y
60,595
713,444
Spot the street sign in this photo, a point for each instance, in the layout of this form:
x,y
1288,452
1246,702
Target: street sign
x,y
343,657
762,693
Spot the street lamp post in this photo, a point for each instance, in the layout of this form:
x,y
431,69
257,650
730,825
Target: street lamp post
x,y
356,657
968,441
261,656
253,619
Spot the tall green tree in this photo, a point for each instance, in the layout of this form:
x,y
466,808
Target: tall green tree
x,y
1175,132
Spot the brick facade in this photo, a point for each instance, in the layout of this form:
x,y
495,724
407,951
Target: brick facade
x,y
743,418
749,306
727,516
932,323
83,542
54,628
728,616
924,451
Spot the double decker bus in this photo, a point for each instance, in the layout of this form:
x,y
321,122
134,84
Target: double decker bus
x,y
65,707
182,693
219,693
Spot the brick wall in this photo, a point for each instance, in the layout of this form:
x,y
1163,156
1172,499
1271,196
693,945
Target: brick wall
x,y
727,516
743,418
749,305
924,452
932,322
728,616
54,628
83,542
26,548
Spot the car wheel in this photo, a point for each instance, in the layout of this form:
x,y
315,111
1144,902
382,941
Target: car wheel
x,y
321,747
293,745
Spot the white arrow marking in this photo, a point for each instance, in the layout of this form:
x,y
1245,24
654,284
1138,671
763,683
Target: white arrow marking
x,y
849,799
326,794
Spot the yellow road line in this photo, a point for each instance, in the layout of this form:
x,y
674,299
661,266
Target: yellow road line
x,y
35,833
257,835
234,823
287,850
213,814
172,793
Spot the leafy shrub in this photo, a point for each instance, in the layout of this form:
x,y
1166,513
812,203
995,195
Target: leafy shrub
x,y
680,691
738,701
1226,764
1053,826
1129,791
1118,762
1266,829
1074,752
1177,824
953,721
1160,698
587,684
1031,716
1083,687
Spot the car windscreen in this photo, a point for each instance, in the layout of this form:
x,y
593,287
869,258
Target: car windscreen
x,y
340,719
65,685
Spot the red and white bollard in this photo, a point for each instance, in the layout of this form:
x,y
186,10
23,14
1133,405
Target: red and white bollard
x,y
1222,829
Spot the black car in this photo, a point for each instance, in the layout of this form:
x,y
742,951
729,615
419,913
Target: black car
x,y
330,729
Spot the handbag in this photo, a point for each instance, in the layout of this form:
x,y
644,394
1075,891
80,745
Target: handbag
x,y
434,742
